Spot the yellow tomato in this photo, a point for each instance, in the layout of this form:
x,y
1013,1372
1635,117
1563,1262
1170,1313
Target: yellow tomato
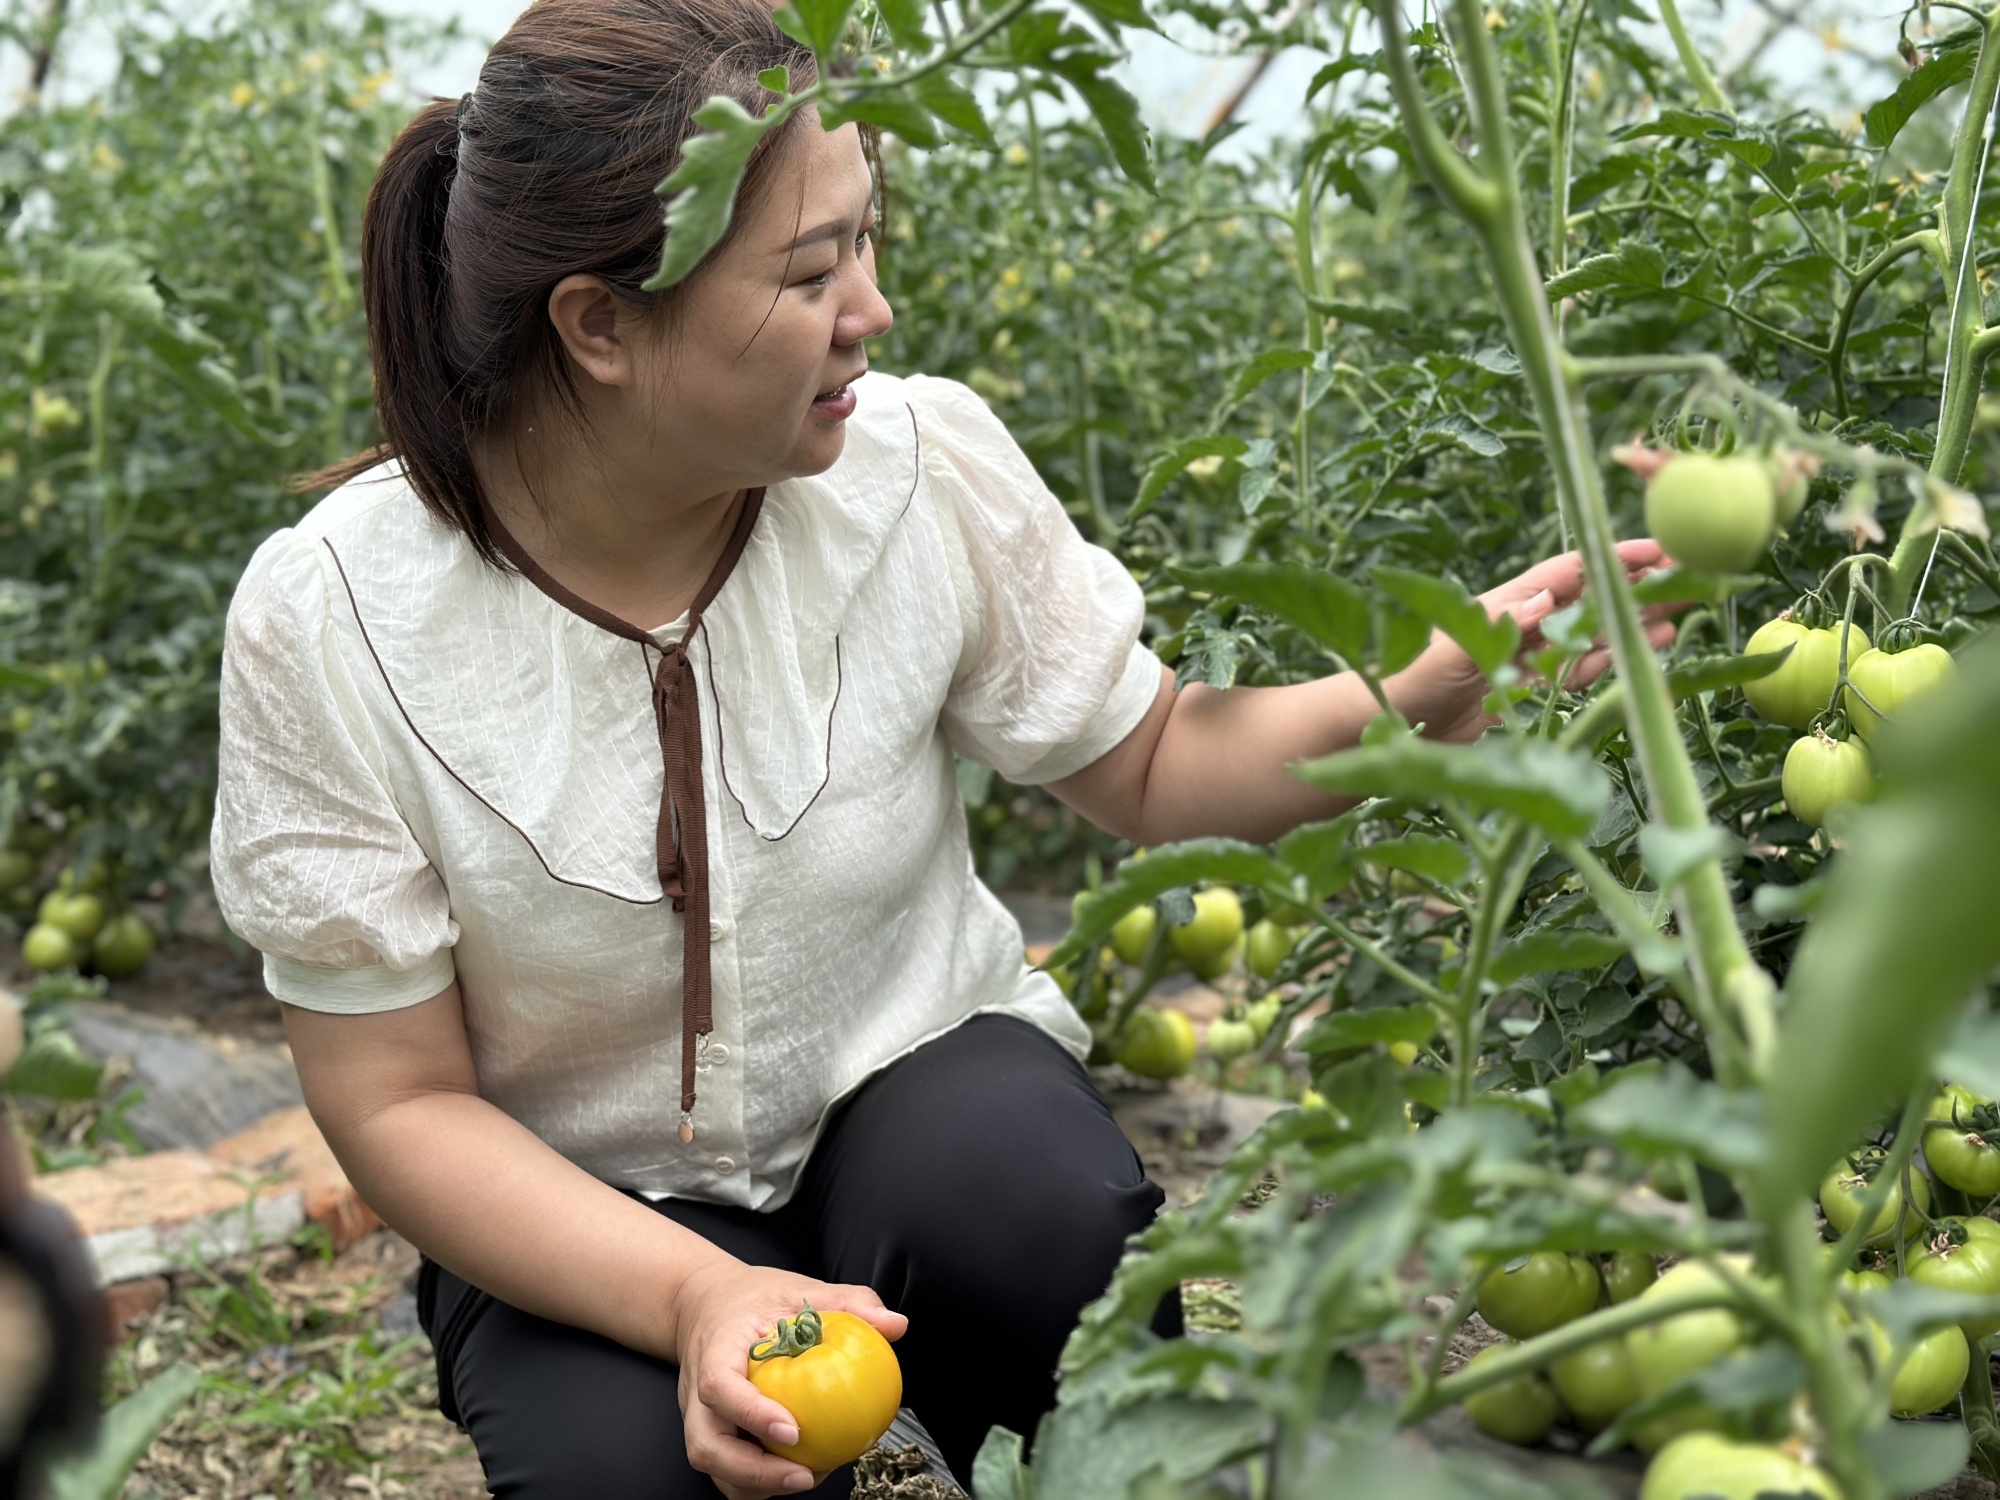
x,y
839,1380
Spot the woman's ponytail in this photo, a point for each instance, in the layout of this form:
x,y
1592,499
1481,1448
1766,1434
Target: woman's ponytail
x,y
546,170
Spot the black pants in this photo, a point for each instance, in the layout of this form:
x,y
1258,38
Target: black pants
x,y
979,1185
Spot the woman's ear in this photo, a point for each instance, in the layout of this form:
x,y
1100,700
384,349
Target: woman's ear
x,y
585,311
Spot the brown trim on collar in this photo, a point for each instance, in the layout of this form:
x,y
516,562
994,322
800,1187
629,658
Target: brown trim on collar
x,y
681,835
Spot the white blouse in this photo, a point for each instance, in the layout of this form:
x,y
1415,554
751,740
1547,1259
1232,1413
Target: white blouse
x,y
431,769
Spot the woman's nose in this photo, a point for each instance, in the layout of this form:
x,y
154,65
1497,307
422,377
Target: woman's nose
x,y
869,316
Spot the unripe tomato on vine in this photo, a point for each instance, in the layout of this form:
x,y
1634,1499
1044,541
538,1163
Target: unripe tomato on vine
x,y
1962,1255
1959,1154
1539,1292
1712,513
1882,683
1801,689
1518,1410
1848,1183
1157,1043
1822,773
1217,925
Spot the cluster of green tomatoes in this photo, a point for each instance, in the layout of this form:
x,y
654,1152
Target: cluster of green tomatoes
x,y
1827,765
73,927
1597,1384
1718,513
1160,1042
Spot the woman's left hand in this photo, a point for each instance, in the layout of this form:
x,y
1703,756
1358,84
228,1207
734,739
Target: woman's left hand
x,y
1444,691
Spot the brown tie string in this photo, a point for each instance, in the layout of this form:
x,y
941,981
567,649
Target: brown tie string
x,y
681,835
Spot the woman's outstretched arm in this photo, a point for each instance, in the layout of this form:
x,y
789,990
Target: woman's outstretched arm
x,y
1207,762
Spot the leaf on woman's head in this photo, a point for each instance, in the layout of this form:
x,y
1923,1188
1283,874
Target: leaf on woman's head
x,y
701,189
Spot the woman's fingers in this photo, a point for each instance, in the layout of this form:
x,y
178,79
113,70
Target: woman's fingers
x,y
717,1449
1597,660
728,1393
863,1302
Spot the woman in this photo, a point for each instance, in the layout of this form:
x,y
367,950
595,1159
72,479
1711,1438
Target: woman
x,y
587,783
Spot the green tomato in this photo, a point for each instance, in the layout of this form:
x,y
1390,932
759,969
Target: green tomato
x,y
1840,1198
1157,1043
1930,1374
1406,1053
1962,1255
1665,1352
1546,1290
1217,924
1791,482
80,915
1134,934
1960,1157
122,948
1521,1410
1628,1273
1263,1014
1269,946
1822,774
47,948
1228,1040
1222,963
1596,1383
1802,687
1705,1466
1714,514
1890,682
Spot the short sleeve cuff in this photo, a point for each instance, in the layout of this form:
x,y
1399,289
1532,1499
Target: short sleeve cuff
x,y
1137,686
357,991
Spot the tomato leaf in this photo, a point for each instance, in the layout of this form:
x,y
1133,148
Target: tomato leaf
x,y
905,20
1684,585
1548,952
1322,855
1087,1449
1376,633
1656,1111
1885,119
1551,788
1909,914
701,190
52,1066
1263,367
998,1472
1971,1055
1912,1457
111,279
1168,467
822,22
1637,264
954,104
1491,643
901,114
1352,1030
1115,110
1441,859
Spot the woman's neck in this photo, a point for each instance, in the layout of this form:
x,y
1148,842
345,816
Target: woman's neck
x,y
641,552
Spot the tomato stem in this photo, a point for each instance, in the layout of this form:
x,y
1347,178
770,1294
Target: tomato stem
x,y
792,1337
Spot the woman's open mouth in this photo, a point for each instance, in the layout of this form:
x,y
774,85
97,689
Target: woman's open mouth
x,y
836,405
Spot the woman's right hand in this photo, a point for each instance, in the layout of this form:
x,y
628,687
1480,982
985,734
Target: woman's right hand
x,y
721,1311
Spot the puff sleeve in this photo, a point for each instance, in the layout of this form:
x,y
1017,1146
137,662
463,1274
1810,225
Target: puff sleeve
x,y
313,863
1053,674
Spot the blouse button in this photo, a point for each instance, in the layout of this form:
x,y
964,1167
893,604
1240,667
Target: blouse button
x,y
725,1165
718,1053
718,929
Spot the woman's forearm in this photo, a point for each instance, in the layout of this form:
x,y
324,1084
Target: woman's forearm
x,y
395,1095
1222,766
488,1200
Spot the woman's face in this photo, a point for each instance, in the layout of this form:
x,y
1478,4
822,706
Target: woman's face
x,y
753,380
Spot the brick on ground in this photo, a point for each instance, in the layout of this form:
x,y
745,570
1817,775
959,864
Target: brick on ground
x,y
149,1216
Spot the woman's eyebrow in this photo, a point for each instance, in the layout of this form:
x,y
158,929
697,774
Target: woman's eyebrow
x,y
833,229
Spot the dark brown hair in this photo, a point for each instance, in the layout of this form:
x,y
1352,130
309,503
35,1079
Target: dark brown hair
x,y
546,170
